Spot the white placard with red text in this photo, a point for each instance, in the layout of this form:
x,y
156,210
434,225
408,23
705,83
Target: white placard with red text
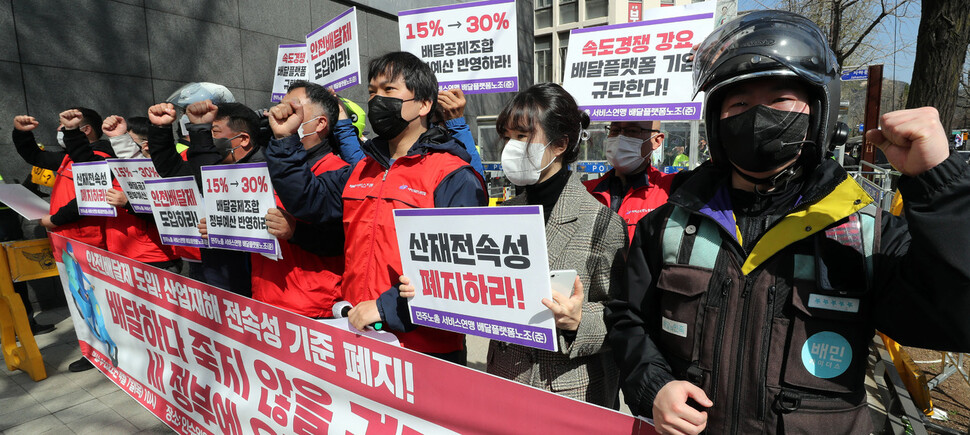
x,y
177,207
479,270
91,183
131,175
641,70
333,55
237,198
290,66
473,46
206,361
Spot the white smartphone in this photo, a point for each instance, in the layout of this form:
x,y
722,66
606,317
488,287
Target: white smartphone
x,y
562,281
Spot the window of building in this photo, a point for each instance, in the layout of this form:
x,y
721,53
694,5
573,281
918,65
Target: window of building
x,y
563,44
597,8
543,14
568,11
543,54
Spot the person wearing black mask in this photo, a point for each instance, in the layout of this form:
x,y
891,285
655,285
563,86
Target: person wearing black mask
x,y
752,296
408,165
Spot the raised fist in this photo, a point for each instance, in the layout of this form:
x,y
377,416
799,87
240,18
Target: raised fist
x,y
71,119
161,114
202,112
114,125
25,123
451,103
285,118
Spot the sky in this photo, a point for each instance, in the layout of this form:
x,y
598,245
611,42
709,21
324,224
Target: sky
x,y
904,29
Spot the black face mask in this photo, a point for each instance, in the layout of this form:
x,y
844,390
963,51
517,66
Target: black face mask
x,y
385,116
762,139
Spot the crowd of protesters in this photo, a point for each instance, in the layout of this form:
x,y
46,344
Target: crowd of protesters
x,y
697,294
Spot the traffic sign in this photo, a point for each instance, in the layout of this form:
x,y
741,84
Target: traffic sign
x,y
860,73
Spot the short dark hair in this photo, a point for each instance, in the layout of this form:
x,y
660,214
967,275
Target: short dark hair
x,y
139,125
297,84
320,96
418,77
92,118
553,109
241,118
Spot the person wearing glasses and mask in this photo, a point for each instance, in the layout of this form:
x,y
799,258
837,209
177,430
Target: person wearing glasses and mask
x,y
633,187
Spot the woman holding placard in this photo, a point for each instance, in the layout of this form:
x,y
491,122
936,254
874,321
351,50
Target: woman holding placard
x,y
542,128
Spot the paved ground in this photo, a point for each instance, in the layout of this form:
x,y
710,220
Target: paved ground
x,y
65,402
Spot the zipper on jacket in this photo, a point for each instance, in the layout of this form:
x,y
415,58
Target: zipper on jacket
x,y
719,335
766,349
748,283
373,227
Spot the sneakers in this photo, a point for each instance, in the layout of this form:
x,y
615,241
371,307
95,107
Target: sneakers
x,y
80,365
40,328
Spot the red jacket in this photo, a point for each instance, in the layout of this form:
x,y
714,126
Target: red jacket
x,y
646,191
135,238
89,229
373,262
301,282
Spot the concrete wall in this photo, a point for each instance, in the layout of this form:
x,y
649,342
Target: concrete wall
x,y
120,56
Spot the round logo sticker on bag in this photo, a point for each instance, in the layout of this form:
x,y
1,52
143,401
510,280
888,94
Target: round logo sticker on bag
x,y
826,355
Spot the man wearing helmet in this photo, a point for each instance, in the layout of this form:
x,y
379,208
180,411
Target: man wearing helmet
x,y
752,295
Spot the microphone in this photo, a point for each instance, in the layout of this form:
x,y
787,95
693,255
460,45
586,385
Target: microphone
x,y
342,308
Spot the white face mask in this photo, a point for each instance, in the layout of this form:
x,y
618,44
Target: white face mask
x,y
60,139
624,153
520,162
300,130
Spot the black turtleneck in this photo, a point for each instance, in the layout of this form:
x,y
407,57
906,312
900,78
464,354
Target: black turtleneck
x,y
547,193
756,212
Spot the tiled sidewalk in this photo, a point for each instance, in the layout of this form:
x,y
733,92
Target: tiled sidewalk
x,y
65,402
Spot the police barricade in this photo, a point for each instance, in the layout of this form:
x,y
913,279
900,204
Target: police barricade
x,y
204,360
21,261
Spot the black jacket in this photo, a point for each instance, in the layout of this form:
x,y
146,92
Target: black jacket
x,y
739,329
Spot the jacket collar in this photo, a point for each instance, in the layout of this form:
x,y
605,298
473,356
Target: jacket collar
x,y
565,210
436,139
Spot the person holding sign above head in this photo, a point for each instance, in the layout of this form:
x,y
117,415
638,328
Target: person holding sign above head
x,y
752,296
633,187
307,279
408,165
131,234
542,128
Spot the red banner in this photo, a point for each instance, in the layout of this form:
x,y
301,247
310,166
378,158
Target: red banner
x,y
204,360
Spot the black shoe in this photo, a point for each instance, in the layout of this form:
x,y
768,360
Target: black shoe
x,y
80,365
40,328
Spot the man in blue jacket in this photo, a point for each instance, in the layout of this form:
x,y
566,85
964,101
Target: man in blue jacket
x,y
408,165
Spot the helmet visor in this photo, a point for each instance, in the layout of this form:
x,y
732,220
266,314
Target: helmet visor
x,y
760,42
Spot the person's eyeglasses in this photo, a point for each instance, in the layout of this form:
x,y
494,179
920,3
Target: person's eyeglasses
x,y
631,131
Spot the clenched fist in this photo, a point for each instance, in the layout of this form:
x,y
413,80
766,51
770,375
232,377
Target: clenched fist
x,y
71,119
25,123
202,112
285,118
114,126
161,114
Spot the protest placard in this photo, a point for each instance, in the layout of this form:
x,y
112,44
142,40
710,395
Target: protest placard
x,y
204,360
473,46
237,198
23,201
290,66
473,266
91,183
177,207
641,70
334,56
131,175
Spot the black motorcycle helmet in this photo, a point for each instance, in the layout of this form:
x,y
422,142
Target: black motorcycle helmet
x,y
772,44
